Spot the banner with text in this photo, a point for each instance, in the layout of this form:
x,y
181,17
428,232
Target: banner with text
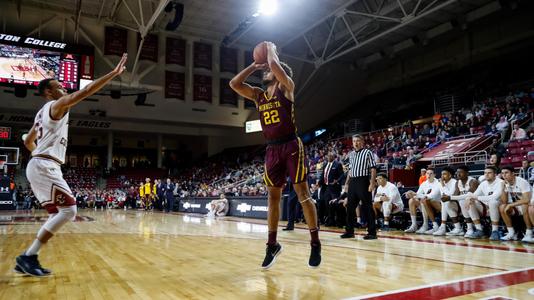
x,y
202,88
174,85
175,51
202,56
149,51
116,41
227,96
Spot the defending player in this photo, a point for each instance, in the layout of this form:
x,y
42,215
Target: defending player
x,y
47,141
285,152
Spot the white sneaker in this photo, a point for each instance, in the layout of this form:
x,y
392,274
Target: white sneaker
x,y
411,229
469,234
509,237
528,239
431,231
456,232
442,230
422,230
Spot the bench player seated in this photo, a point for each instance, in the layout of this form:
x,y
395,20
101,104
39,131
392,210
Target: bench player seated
x,y
447,186
531,213
429,190
387,199
486,198
464,185
514,202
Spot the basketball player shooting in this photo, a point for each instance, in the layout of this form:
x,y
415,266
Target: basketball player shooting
x,y
47,141
285,152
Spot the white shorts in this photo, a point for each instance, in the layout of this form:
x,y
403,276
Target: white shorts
x,y
48,185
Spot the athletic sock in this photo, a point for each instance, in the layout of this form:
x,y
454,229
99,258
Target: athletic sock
x,y
314,233
272,238
457,226
511,230
414,220
478,226
470,226
386,222
494,227
34,248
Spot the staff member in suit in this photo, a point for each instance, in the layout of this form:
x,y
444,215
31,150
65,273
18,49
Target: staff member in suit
x,y
359,185
332,174
318,196
168,190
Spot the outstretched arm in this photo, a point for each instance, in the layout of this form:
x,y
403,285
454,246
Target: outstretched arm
x,y
60,107
244,89
276,68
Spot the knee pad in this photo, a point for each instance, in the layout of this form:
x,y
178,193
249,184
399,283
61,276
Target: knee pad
x,y
64,215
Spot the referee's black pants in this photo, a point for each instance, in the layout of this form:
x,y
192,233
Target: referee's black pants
x,y
359,191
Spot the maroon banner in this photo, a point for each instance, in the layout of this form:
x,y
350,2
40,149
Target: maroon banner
x,y
175,51
202,88
228,60
227,96
116,41
149,51
174,85
202,56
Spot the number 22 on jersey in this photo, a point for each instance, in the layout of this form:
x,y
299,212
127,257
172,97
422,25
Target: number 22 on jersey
x,y
271,117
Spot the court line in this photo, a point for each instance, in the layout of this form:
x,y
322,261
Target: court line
x,y
458,287
404,238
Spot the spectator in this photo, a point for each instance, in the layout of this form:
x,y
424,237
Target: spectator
x,y
422,178
218,207
502,125
518,133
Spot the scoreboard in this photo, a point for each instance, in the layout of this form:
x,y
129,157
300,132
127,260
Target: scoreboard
x,y
68,72
5,133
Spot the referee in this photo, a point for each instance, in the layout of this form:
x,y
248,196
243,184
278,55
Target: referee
x,y
360,184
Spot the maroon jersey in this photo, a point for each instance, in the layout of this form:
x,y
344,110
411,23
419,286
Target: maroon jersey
x,y
277,115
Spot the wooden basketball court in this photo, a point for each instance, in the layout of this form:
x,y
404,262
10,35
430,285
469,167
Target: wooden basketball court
x,y
149,255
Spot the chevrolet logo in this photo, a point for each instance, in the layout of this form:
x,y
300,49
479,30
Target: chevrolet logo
x,y
243,207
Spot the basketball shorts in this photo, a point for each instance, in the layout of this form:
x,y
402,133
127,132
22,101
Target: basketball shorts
x,y
48,185
285,160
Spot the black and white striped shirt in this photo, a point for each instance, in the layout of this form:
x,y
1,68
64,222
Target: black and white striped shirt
x,y
361,162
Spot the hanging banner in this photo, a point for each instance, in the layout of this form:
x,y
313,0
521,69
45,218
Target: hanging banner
x,y
149,51
228,60
175,51
227,96
174,85
202,56
202,88
116,41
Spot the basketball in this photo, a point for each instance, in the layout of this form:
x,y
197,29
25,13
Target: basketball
x,y
260,53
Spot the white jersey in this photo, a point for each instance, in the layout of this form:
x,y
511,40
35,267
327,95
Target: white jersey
x,y
447,188
431,190
463,189
52,135
390,191
516,190
489,192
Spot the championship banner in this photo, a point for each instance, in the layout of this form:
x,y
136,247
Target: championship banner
x,y
116,41
174,85
202,88
175,51
227,96
149,51
202,56
228,60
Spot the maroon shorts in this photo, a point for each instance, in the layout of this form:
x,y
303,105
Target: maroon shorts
x,y
285,160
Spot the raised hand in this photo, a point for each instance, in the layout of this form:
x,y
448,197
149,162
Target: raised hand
x,y
121,65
